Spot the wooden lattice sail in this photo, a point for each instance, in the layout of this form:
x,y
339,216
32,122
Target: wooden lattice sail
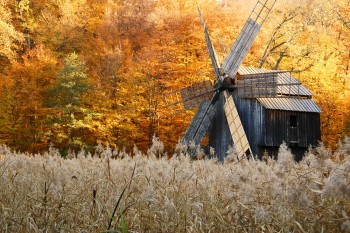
x,y
200,124
238,134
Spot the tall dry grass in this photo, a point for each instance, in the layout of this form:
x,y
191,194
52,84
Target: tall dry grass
x,y
46,193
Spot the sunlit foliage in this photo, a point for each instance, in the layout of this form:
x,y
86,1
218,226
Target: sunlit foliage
x,y
136,51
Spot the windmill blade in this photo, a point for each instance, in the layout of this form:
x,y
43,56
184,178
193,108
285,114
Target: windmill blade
x,y
189,97
245,39
258,85
238,135
240,48
194,95
211,49
200,124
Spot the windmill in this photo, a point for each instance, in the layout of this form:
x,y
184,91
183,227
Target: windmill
x,y
217,113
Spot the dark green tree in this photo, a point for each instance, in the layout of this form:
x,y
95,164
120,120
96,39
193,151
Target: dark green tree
x,y
71,115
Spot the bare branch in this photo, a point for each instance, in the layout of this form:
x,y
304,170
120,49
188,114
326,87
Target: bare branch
x,y
274,37
344,20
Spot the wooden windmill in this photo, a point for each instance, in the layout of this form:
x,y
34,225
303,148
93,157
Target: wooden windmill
x,y
217,113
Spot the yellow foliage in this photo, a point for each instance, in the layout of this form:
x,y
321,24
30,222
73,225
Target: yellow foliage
x,y
137,51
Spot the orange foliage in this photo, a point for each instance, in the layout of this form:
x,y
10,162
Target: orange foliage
x,y
137,51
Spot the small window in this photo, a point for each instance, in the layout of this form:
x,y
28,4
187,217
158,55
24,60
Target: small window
x,y
293,134
293,121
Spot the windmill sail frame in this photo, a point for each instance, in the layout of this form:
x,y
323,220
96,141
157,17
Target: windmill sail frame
x,y
205,114
244,41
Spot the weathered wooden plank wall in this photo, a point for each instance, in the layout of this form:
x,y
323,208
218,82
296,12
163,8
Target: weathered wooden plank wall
x,y
219,132
251,114
277,123
267,129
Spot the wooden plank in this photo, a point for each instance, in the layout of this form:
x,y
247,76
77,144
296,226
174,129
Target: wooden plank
x,y
240,48
200,124
238,135
219,133
212,53
247,36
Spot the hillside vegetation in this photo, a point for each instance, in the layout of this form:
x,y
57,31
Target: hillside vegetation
x,y
117,192
78,72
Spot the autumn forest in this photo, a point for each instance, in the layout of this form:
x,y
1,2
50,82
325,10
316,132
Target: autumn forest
x,y
75,73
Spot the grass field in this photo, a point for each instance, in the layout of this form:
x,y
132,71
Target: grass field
x,y
116,192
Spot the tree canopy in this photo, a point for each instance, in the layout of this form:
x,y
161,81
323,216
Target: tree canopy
x,y
78,72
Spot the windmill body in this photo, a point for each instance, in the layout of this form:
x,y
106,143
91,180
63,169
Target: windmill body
x,y
286,113
253,110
